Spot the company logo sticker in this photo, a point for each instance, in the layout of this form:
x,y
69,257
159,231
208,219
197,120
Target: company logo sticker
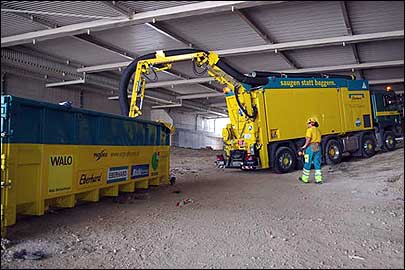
x,y
155,161
65,160
100,154
139,171
358,122
90,177
117,174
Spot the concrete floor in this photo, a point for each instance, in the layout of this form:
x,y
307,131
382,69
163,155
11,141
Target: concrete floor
x,y
234,219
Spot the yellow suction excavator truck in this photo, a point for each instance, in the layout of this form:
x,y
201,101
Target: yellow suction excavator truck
x,y
268,111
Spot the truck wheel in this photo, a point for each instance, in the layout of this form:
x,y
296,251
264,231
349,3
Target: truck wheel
x,y
389,141
333,152
285,160
368,145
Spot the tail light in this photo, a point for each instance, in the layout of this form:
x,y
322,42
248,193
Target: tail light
x,y
220,157
250,157
241,142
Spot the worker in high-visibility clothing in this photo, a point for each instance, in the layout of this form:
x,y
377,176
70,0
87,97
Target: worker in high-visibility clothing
x,y
312,152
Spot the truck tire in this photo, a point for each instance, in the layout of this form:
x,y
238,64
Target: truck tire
x,y
333,152
388,141
285,160
368,145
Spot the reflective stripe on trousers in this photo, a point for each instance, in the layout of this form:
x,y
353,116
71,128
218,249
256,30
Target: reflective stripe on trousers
x,y
310,157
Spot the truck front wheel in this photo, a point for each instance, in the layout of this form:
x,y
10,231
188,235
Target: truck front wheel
x,y
368,145
389,141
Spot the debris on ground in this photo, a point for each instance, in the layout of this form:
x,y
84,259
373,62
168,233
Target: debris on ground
x,y
130,197
177,191
394,178
184,202
140,196
172,180
356,257
5,243
25,255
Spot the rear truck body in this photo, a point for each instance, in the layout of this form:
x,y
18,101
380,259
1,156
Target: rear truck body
x,y
273,137
53,156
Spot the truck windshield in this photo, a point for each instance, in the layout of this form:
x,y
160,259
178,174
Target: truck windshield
x,y
392,102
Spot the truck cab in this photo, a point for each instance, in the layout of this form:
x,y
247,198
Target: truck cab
x,y
387,108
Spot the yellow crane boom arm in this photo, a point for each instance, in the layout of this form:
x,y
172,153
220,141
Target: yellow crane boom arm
x,y
162,62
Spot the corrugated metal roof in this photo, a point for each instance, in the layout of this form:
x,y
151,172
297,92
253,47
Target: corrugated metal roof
x,y
141,6
12,24
294,21
376,16
79,51
258,62
91,8
381,50
384,73
186,68
323,56
139,39
215,31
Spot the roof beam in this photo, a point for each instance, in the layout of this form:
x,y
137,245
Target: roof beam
x,y
263,35
346,17
57,14
163,30
218,104
143,17
81,81
348,67
167,106
293,45
203,95
348,24
105,67
104,45
279,46
178,82
252,25
385,81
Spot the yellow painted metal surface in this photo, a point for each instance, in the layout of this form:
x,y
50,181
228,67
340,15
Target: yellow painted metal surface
x,y
60,175
337,111
287,111
387,113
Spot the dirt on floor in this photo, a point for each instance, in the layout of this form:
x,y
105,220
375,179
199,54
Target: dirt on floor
x,y
227,218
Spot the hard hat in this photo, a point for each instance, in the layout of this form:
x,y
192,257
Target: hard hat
x,y
311,120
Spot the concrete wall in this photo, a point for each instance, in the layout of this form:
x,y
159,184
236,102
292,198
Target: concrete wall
x,y
192,131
